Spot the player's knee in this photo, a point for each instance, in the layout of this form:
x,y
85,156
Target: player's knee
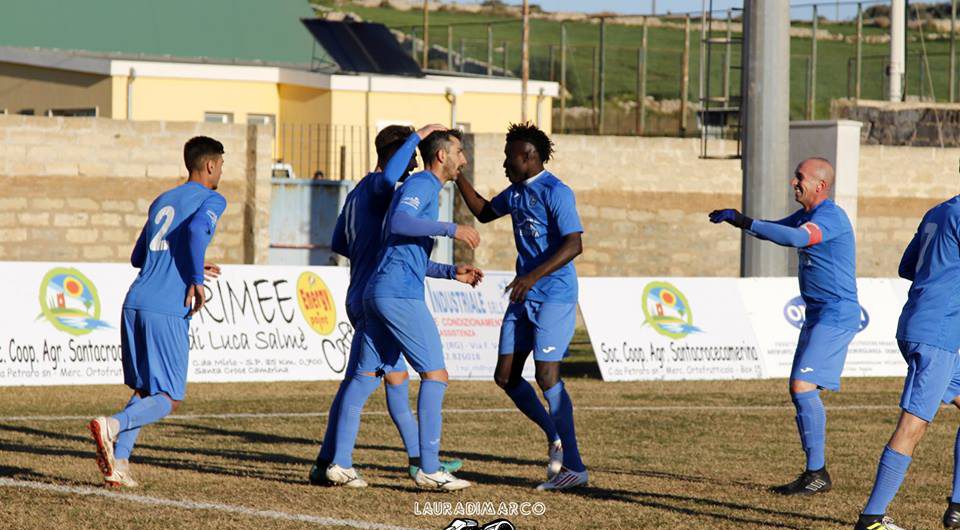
x,y
396,378
436,375
547,380
798,387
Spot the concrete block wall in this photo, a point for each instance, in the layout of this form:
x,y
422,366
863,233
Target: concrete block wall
x,y
78,189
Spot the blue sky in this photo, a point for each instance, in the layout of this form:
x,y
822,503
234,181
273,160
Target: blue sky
x,y
828,8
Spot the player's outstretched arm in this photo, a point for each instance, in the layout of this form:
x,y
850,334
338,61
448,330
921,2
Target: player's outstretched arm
x,y
480,207
571,247
775,231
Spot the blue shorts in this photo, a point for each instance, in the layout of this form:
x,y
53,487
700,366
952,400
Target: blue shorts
x,y
544,327
156,351
821,352
933,375
399,325
358,321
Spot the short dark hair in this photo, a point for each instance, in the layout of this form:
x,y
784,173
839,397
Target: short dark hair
x,y
198,149
530,133
435,142
389,140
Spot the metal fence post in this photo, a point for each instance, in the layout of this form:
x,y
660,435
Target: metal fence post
x,y
601,71
642,95
489,49
563,77
685,77
859,50
812,90
450,48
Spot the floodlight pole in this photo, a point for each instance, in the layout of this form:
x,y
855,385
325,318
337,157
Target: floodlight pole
x,y
524,61
897,49
766,129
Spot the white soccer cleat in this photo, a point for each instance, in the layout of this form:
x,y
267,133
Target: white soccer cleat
x,y
100,430
565,479
441,480
349,478
121,477
555,454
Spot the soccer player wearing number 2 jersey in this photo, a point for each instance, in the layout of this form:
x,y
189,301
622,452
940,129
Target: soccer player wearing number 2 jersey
x,y
824,239
928,335
156,312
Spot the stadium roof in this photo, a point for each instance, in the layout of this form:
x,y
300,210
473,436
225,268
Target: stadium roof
x,y
239,31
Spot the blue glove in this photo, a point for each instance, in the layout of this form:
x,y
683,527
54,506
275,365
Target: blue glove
x,y
731,216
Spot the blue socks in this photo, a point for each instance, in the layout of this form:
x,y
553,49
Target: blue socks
x,y
398,403
126,439
355,397
144,411
955,497
330,435
429,406
561,411
812,424
893,467
525,397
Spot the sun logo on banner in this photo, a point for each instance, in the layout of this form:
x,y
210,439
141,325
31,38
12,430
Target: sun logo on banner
x,y
667,310
316,303
69,301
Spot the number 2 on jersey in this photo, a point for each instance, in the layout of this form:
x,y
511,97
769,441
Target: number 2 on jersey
x,y
165,219
928,230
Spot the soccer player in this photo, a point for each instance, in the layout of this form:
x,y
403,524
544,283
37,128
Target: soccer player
x,y
928,335
824,239
157,309
357,236
543,295
397,318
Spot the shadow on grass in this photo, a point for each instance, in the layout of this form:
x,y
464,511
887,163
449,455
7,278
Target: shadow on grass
x,y
668,502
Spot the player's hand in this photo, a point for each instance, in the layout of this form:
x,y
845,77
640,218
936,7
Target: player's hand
x,y
211,271
519,288
469,275
719,216
194,298
468,235
425,131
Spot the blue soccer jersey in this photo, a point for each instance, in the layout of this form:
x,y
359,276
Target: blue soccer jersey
x,y
932,261
358,233
828,267
171,248
404,260
543,211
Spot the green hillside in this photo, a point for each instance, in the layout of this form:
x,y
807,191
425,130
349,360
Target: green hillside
x,y
665,56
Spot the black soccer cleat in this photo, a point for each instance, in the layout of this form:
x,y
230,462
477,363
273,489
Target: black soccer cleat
x,y
951,517
318,473
875,522
808,483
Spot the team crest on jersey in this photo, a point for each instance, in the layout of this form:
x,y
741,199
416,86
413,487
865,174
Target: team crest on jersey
x,y
796,313
70,302
667,311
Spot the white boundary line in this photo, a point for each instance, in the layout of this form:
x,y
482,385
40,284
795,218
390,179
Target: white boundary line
x,y
652,408
192,505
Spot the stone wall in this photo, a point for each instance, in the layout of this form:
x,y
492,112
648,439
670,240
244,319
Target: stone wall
x,y
918,124
644,203
78,189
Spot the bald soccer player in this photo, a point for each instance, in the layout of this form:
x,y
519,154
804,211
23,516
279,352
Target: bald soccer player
x,y
823,237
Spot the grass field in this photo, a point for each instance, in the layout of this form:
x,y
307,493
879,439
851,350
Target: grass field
x,y
660,454
665,54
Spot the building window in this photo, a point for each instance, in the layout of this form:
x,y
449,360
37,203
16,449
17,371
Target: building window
x,y
261,119
218,117
74,113
25,112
